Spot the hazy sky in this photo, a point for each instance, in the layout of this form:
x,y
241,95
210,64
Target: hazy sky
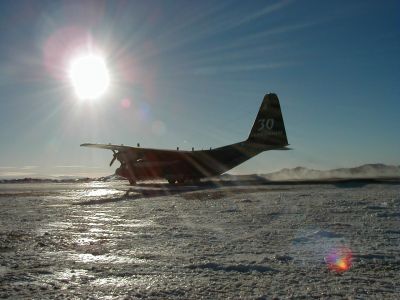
x,y
193,73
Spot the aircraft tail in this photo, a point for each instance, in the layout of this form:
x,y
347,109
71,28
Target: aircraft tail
x,y
268,128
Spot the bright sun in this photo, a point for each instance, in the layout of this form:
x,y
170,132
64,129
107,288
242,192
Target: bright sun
x,y
89,76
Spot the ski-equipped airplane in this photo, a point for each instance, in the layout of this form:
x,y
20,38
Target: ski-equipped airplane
x,y
177,166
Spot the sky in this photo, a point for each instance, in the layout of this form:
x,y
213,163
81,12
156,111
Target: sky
x,y
193,74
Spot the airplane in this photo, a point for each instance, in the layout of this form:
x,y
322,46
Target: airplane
x,y
177,166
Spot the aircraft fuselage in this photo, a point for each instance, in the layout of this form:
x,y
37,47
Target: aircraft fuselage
x,y
185,165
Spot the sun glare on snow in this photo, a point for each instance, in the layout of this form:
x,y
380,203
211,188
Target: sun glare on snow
x,y
89,76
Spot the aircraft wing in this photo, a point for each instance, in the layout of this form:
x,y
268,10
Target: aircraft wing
x,y
123,148
109,147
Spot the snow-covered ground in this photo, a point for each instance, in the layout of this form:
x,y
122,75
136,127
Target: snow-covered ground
x,y
108,240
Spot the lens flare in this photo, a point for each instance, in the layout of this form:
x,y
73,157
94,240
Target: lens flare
x,y
339,259
126,103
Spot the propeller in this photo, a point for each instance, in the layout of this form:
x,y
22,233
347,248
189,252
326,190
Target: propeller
x,y
114,157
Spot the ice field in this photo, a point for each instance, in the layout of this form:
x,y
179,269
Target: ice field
x,y
253,241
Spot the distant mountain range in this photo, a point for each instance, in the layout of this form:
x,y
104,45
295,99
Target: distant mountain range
x,y
364,171
368,171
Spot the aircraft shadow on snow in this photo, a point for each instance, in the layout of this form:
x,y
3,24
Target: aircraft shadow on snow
x,y
151,190
217,189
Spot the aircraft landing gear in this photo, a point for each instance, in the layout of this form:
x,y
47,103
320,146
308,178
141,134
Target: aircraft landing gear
x,y
196,181
171,181
132,181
